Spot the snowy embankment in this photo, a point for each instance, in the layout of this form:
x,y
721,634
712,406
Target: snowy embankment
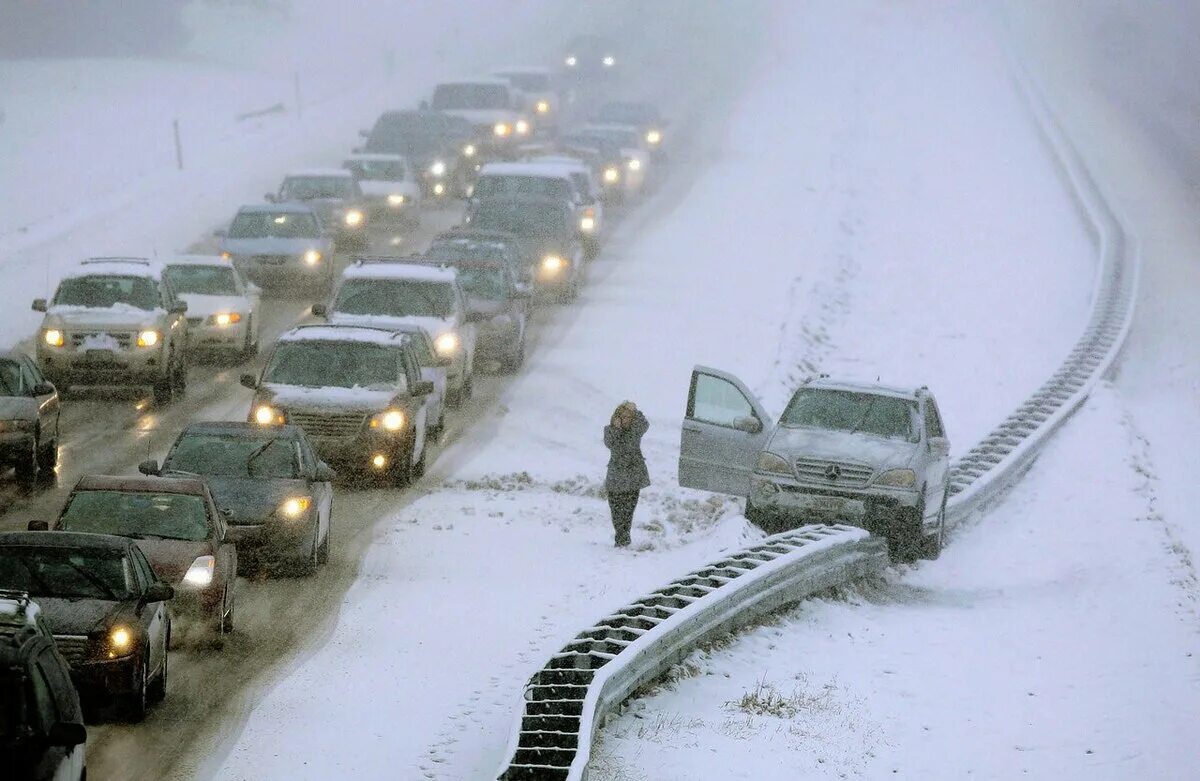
x,y
887,221
1055,638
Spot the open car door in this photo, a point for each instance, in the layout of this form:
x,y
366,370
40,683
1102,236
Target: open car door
x,y
724,429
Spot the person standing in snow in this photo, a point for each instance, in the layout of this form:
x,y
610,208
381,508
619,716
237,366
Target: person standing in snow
x,y
627,473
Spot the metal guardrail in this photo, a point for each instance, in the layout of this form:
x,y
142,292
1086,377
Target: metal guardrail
x,y
594,673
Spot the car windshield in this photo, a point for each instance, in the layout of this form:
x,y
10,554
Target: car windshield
x,y
395,298
483,282
452,97
321,364
627,114
528,82
66,573
376,170
203,280
465,249
10,378
839,410
107,291
308,188
137,514
234,455
501,185
528,220
279,225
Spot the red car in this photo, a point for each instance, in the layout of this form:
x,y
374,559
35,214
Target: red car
x,y
177,526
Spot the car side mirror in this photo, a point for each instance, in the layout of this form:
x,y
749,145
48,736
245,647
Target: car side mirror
x,y
150,468
39,305
748,423
220,233
178,308
37,526
939,446
67,734
325,473
43,389
422,388
158,592
249,381
320,310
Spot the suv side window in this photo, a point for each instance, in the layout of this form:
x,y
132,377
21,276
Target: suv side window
x,y
716,400
933,421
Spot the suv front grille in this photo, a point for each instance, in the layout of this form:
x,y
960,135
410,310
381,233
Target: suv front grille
x,y
270,260
839,473
124,339
328,424
72,647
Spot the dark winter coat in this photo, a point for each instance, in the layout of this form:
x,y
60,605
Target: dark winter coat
x,y
626,465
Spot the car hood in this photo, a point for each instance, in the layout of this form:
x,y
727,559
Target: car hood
x,y
200,305
18,408
363,400
79,616
273,245
381,189
251,500
171,558
120,317
793,443
436,326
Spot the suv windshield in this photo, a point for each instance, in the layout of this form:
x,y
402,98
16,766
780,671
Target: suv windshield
x,y
319,364
450,97
66,573
233,455
10,378
838,410
105,292
376,170
130,514
203,280
307,188
500,185
395,298
522,219
280,225
483,282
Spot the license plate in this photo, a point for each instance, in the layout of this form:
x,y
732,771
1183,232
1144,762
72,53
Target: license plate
x,y
828,505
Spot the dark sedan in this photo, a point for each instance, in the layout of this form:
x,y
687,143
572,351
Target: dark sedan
x,y
105,606
268,483
29,412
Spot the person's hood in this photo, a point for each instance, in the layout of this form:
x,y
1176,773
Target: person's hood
x,y
18,408
296,398
252,500
200,305
379,189
435,326
82,616
880,453
171,558
273,245
121,317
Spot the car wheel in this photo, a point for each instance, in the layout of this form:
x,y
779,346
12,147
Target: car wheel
x,y
136,703
27,466
157,689
511,363
227,620
323,551
179,378
164,390
249,347
932,544
402,467
47,459
906,541
760,518
418,469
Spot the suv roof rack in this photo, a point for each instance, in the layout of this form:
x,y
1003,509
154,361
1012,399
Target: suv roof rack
x,y
380,328
116,259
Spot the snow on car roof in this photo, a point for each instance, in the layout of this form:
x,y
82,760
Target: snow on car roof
x,y
292,207
399,268
863,386
339,173
121,267
341,333
529,168
197,260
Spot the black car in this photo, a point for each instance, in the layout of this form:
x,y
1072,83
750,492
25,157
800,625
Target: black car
x,y
480,244
105,606
442,149
499,304
550,231
41,724
273,490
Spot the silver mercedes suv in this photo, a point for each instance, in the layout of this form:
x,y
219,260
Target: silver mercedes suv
x,y
865,454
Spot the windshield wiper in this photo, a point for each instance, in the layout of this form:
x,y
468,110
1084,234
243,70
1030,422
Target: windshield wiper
x,y
258,451
870,406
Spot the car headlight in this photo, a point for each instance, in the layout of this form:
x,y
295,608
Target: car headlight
x,y
120,641
353,218
147,338
226,255
609,61
543,107
395,199
439,189
635,164
446,344
391,420
772,463
502,129
612,174
53,337
201,571
438,168
897,478
266,415
522,127
469,150
312,257
553,265
572,61
295,507
225,319
654,137
587,224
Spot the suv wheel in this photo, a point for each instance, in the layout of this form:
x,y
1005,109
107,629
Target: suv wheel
x,y
47,459
323,551
135,705
402,466
179,378
156,690
164,390
932,544
250,347
418,469
27,466
907,540
511,363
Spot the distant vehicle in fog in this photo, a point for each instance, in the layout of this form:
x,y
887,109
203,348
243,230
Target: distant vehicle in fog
x,y
280,245
337,198
390,187
29,418
223,305
115,321
550,230
643,116
492,107
441,148
589,57
538,87
106,607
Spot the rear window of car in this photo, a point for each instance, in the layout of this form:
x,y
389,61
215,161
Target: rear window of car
x,y
500,185
137,514
277,225
307,188
376,170
890,417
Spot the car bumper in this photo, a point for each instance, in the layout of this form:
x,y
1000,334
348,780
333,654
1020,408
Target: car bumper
x,y
357,453
875,509
113,367
282,270
272,541
202,336
107,677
